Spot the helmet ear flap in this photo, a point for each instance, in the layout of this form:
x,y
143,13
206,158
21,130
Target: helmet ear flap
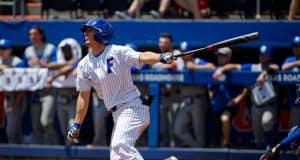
x,y
98,37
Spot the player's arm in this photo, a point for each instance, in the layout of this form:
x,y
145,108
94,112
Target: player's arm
x,y
82,106
81,109
274,152
236,100
269,71
289,139
64,71
54,65
228,67
149,57
290,65
207,66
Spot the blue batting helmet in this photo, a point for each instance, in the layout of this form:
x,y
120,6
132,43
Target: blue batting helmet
x,y
296,41
104,30
132,46
185,46
5,43
265,50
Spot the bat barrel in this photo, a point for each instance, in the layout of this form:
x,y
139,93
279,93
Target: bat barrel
x,y
224,43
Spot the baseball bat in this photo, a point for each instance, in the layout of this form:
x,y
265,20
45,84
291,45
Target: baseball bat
x,y
225,43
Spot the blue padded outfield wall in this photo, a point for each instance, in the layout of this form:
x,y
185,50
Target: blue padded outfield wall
x,y
145,33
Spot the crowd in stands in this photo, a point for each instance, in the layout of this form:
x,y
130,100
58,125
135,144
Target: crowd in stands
x,y
184,109
161,9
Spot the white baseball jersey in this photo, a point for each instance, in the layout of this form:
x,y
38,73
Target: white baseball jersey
x,y
47,54
109,74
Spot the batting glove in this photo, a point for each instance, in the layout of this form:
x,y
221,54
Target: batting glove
x,y
73,133
167,58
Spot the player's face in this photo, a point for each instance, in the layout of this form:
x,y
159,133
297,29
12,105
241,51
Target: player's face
x,y
265,59
5,53
35,36
223,59
68,55
165,44
89,36
296,51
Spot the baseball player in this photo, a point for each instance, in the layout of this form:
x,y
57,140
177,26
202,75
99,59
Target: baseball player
x,y
293,64
292,140
106,68
68,52
189,123
170,94
13,100
263,116
41,55
224,98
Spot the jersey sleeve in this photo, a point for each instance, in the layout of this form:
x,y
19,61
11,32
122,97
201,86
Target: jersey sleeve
x,y
16,61
246,67
131,57
53,56
289,60
291,138
83,82
200,61
24,61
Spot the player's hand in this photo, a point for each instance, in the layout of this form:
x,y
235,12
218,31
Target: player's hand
x,y
233,102
73,133
50,81
35,61
167,58
270,155
261,78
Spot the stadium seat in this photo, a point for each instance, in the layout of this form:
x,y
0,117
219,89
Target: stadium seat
x,y
59,5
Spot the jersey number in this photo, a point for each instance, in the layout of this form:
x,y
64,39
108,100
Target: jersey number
x,y
109,63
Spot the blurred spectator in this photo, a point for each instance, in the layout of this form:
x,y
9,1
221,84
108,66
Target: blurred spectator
x,y
225,99
13,100
293,9
263,114
293,64
170,94
68,55
189,125
41,55
190,5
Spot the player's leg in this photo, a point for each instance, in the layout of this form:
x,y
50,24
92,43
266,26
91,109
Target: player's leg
x,y
37,129
256,116
182,122
14,125
269,117
62,115
268,122
164,131
47,117
295,116
99,117
130,122
199,111
226,127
